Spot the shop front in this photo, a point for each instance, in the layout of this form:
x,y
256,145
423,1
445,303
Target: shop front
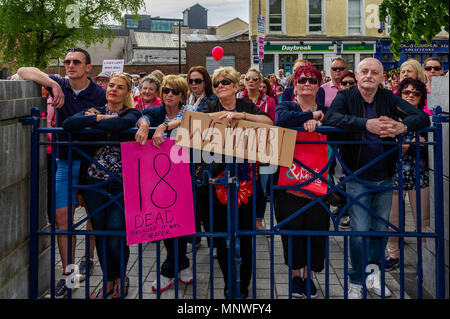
x,y
283,55
279,55
420,52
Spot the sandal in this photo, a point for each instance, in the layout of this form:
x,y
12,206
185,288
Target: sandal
x,y
117,291
99,293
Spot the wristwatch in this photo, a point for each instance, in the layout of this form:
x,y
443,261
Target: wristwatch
x,y
245,115
166,125
406,129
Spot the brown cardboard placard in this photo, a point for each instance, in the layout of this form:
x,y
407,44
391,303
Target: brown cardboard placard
x,y
243,139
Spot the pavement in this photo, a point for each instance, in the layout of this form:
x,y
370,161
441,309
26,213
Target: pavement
x,y
262,276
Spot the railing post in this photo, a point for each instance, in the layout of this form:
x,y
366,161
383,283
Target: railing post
x,y
34,203
439,207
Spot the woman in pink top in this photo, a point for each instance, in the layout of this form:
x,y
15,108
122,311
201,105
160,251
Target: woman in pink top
x,y
149,89
253,80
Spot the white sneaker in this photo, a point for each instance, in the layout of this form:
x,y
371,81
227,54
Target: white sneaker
x,y
355,291
373,282
165,283
185,276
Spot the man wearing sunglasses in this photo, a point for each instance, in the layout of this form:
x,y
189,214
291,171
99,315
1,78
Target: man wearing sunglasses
x,y
432,67
70,96
338,69
370,114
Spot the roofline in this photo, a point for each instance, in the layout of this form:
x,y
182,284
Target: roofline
x,y
232,20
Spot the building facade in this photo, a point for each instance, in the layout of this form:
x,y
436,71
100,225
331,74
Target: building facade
x,y
319,30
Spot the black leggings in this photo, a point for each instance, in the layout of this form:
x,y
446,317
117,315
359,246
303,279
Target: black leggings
x,y
315,218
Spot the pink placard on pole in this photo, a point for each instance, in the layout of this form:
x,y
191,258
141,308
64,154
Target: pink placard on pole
x,y
157,193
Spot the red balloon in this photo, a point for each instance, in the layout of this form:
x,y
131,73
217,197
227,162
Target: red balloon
x,y
217,53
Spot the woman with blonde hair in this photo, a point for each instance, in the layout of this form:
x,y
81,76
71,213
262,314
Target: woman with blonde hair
x,y
166,117
225,83
411,69
115,117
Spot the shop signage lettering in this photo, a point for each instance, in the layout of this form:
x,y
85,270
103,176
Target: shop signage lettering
x,y
299,48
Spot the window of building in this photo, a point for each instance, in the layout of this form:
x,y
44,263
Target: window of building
x,y
131,23
275,16
315,16
354,20
349,61
163,25
315,59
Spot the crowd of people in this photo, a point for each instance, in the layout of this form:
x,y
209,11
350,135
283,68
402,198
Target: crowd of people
x,y
370,105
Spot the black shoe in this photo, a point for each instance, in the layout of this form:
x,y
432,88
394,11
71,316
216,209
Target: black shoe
x,y
313,292
244,293
344,224
298,287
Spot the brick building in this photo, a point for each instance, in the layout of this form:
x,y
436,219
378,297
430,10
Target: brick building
x,y
236,54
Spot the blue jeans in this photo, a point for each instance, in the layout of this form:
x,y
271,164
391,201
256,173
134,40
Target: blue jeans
x,y
62,182
112,217
360,220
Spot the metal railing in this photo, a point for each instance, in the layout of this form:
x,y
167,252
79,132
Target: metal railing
x,y
233,233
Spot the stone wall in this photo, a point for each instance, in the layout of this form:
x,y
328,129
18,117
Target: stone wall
x,y
17,98
439,97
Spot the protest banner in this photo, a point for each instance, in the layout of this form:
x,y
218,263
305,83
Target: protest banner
x,y
112,66
243,139
158,202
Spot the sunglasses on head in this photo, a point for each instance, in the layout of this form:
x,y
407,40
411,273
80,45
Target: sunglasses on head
x,y
223,82
338,68
254,78
167,91
196,81
75,62
303,80
345,83
436,68
415,93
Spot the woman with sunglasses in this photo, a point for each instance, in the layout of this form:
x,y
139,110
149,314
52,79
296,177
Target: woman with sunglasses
x,y
304,111
412,69
415,92
200,87
148,91
348,80
225,82
165,118
114,118
253,80
432,67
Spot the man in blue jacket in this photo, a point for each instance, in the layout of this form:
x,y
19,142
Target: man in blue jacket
x,y
70,96
371,114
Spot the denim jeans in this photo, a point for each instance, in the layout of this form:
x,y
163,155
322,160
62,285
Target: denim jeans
x,y
112,217
361,220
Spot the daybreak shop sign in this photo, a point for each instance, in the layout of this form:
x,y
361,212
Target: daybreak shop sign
x,y
304,48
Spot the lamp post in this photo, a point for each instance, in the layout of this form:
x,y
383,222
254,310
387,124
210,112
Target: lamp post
x,y
179,47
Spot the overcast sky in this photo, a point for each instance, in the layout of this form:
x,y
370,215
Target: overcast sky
x,y
219,11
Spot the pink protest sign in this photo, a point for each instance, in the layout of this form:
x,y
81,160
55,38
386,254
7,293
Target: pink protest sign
x,y
157,193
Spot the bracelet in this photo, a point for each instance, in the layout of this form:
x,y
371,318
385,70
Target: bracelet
x,y
245,115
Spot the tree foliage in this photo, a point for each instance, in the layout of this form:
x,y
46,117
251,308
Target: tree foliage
x,y
34,31
414,20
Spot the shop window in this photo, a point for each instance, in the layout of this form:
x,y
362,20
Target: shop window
x,y
315,59
316,16
349,61
268,64
276,8
443,57
354,17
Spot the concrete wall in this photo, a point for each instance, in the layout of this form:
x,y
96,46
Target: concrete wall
x,y
16,100
439,97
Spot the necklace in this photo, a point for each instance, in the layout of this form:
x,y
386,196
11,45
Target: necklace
x,y
311,109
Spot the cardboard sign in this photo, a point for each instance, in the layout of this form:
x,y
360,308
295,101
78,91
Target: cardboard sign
x,y
243,139
112,66
157,193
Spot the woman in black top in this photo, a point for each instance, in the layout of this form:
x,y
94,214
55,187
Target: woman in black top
x,y
302,112
115,117
226,82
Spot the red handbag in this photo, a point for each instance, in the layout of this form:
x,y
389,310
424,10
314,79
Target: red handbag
x,y
314,156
